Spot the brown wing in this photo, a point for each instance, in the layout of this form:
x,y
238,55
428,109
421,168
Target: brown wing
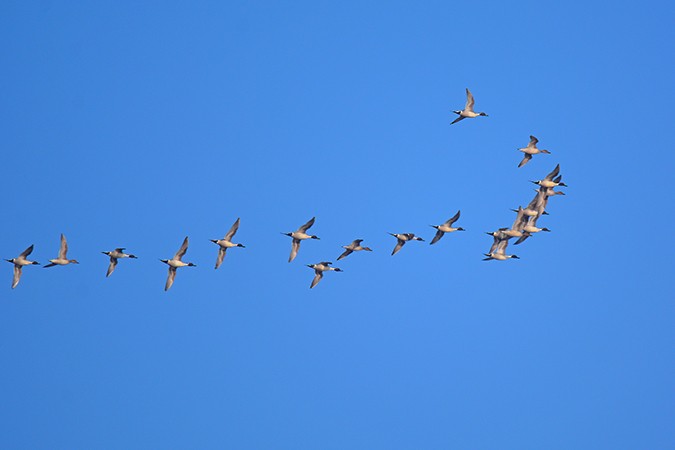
x,y
182,250
294,249
398,247
317,277
26,252
533,142
221,256
17,275
111,267
345,254
439,235
526,158
305,227
553,173
170,278
453,219
230,234
469,100
63,250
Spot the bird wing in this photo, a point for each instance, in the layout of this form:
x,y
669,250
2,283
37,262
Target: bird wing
x,y
182,250
469,100
306,226
501,247
170,278
111,267
356,242
495,243
457,120
519,223
26,252
221,256
120,250
553,173
294,249
439,235
317,277
533,142
453,219
64,248
230,234
526,158
522,238
17,275
345,254
399,244
536,201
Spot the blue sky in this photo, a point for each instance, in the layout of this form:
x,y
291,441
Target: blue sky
x,y
135,125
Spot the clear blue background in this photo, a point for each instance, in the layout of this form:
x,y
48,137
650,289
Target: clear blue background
x,y
135,124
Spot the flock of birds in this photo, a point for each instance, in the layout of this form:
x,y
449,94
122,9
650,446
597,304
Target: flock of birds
x,y
523,227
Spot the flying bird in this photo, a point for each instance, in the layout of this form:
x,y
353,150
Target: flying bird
x,y
175,263
114,256
500,253
19,262
355,246
445,228
299,235
402,238
552,179
226,243
530,229
319,269
62,259
467,112
530,150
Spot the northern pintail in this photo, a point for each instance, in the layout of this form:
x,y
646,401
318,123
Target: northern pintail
x,y
467,112
355,246
226,243
319,269
530,150
299,235
114,256
62,259
500,253
550,180
445,228
175,263
530,228
19,262
402,238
